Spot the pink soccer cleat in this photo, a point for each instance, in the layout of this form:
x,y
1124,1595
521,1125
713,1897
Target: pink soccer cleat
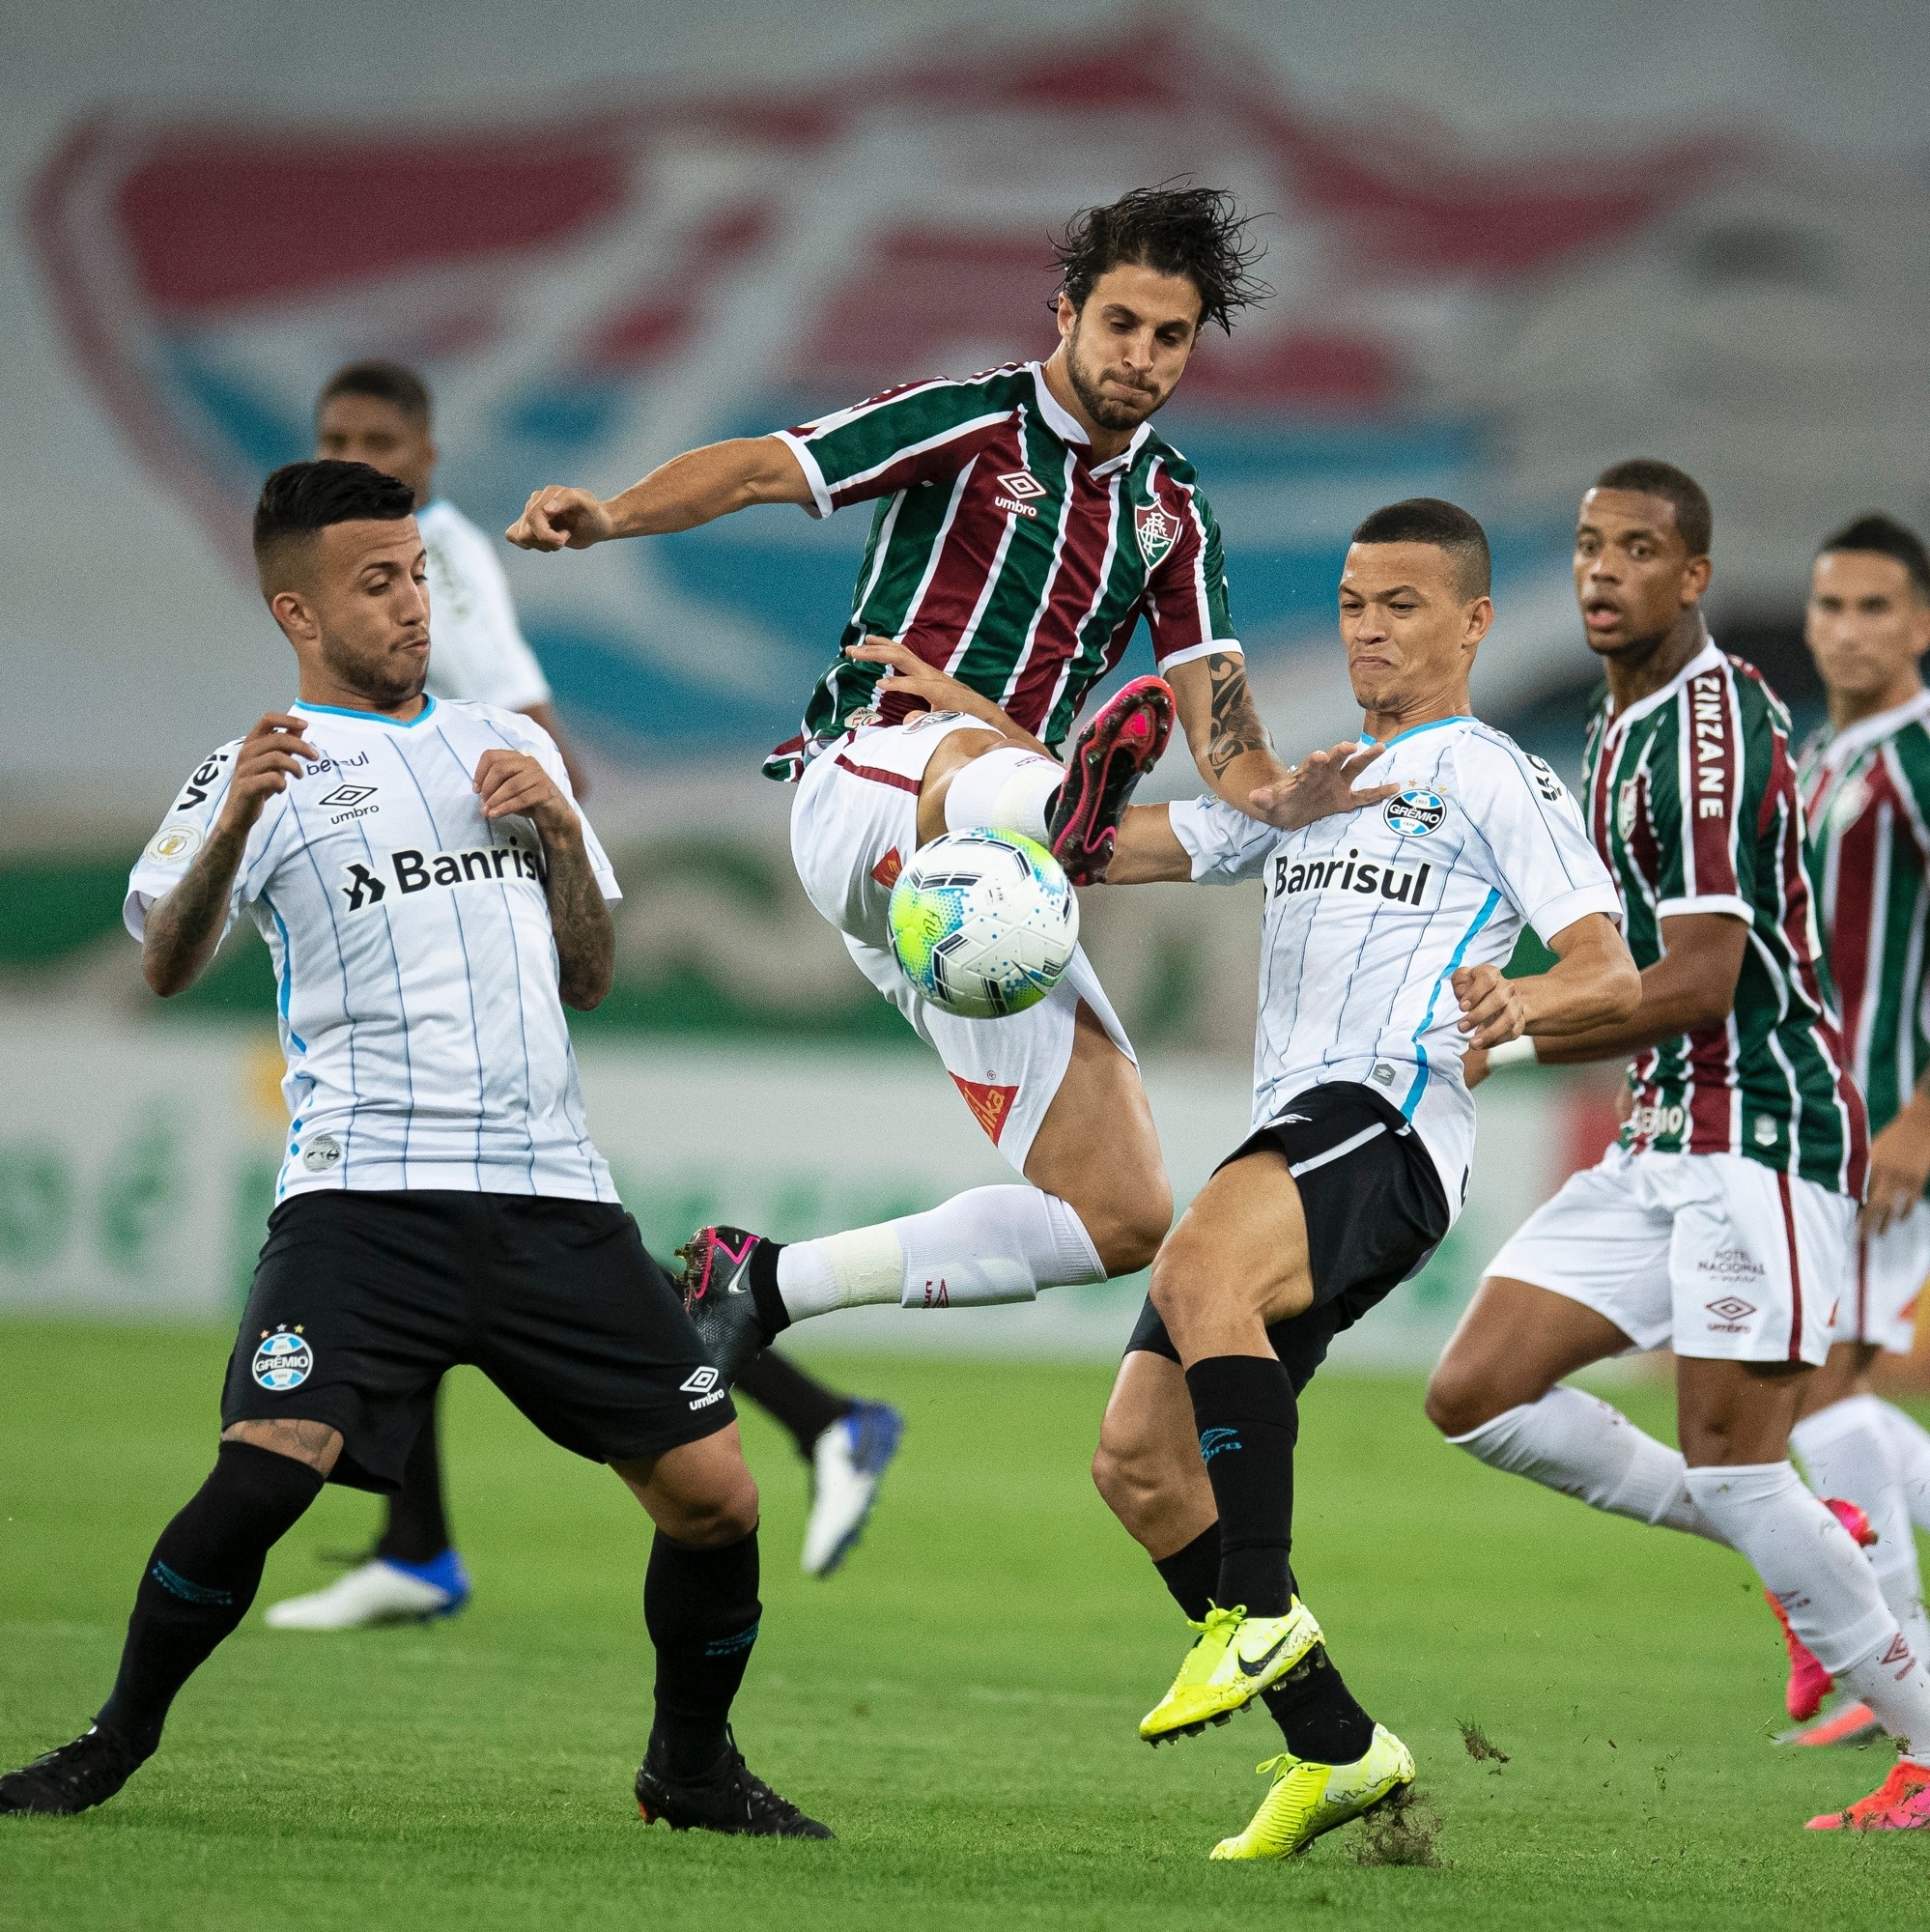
x,y
1808,1682
1901,1802
1109,759
1850,1723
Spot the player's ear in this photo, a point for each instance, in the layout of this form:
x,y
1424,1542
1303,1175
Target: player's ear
x,y
1695,580
291,611
1068,317
1479,619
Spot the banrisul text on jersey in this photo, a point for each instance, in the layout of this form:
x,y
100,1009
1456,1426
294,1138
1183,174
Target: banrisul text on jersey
x,y
1866,792
1693,802
1003,554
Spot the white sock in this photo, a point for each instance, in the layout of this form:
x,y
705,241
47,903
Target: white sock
x,y
990,1245
1845,1449
1007,789
1910,1447
1577,1443
1809,1563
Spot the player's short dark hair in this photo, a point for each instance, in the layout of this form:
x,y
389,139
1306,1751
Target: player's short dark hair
x,y
300,499
1195,232
1431,520
387,382
1647,477
1885,537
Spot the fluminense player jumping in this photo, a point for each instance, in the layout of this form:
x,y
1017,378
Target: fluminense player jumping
x,y
1865,778
431,898
1026,520
1385,931
382,414
1720,1222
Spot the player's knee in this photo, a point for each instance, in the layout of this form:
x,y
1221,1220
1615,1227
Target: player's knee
x,y
1128,1229
1458,1402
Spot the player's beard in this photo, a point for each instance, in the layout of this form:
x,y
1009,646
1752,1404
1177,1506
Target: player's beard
x,y
1105,411
382,674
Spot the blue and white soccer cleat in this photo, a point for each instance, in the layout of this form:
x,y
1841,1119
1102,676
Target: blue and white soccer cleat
x,y
381,1591
848,1466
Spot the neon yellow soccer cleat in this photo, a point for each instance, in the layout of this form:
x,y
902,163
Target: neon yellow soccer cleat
x,y
1236,1659
1309,1799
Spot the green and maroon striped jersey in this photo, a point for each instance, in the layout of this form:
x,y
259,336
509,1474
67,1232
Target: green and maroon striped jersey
x,y
1003,554
1693,804
1867,793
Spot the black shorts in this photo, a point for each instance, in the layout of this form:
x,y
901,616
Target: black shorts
x,y
1374,1207
361,1301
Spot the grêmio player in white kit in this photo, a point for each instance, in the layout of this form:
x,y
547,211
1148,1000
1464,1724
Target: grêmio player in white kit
x,y
431,898
382,414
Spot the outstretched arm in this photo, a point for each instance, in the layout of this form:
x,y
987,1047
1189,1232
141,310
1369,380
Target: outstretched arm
x,y
1693,985
696,488
514,782
1593,985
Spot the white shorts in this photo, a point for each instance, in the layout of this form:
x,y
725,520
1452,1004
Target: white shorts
x,y
1712,1254
1887,1274
852,826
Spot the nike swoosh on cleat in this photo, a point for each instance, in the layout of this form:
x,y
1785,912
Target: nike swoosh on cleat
x,y
1251,1667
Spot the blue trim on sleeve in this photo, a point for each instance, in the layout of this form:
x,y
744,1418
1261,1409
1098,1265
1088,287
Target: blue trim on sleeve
x,y
1446,973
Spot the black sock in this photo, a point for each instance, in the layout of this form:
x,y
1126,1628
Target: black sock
x,y
200,1580
773,1317
416,1529
701,1609
1248,1421
800,1402
1193,1573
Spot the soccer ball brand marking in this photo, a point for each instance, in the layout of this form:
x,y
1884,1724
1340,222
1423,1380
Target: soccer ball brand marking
x,y
983,924
322,1153
1156,531
284,1361
1416,811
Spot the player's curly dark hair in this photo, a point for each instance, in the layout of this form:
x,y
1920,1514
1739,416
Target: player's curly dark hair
x,y
1885,537
1195,232
300,499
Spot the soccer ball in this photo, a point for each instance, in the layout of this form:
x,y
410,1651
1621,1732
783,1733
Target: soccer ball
x,y
983,922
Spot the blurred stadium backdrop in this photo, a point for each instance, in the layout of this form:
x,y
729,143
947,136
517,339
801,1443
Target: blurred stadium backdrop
x,y
606,236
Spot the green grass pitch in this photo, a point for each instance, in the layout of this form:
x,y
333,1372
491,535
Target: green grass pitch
x,y
959,1704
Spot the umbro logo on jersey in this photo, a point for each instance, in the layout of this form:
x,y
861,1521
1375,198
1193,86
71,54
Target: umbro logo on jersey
x,y
1351,875
1019,485
411,873
349,795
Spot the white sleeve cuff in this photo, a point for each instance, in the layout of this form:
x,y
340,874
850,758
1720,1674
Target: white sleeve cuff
x,y
1226,646
134,912
1720,903
1559,914
1186,817
819,490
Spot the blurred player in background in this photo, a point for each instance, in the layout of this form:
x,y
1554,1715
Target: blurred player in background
x,y
1384,937
431,898
1865,778
381,414
1026,520
1721,1220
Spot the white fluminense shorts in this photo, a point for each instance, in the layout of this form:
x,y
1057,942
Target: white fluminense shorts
x,y
853,825
1712,1254
1886,1275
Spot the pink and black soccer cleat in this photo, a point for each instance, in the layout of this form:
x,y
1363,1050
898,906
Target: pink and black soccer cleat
x,y
1850,1723
1808,1682
1901,1802
1109,759
719,1297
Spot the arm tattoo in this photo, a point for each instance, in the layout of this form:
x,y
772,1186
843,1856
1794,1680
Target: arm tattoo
x,y
586,935
1236,726
181,926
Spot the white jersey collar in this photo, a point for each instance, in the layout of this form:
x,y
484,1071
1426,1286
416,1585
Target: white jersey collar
x,y
1707,659
306,710
1854,738
1068,428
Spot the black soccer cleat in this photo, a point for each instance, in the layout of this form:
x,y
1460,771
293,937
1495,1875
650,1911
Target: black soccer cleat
x,y
717,1298
75,1778
1109,759
731,1799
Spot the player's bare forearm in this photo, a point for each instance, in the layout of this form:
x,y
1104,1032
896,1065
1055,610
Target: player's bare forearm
x,y
182,931
1900,1163
1690,988
580,919
1592,985
1148,851
1230,742
690,490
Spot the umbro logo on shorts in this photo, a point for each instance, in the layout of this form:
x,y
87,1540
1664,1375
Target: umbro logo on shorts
x,y
411,873
703,1387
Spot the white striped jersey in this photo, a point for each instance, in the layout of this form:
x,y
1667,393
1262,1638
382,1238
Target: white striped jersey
x,y
415,965
1371,913
1003,554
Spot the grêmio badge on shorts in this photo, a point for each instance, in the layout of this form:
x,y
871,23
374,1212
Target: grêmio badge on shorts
x,y
283,1361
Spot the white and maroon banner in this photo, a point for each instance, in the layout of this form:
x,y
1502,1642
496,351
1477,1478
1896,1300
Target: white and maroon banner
x,y
597,272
